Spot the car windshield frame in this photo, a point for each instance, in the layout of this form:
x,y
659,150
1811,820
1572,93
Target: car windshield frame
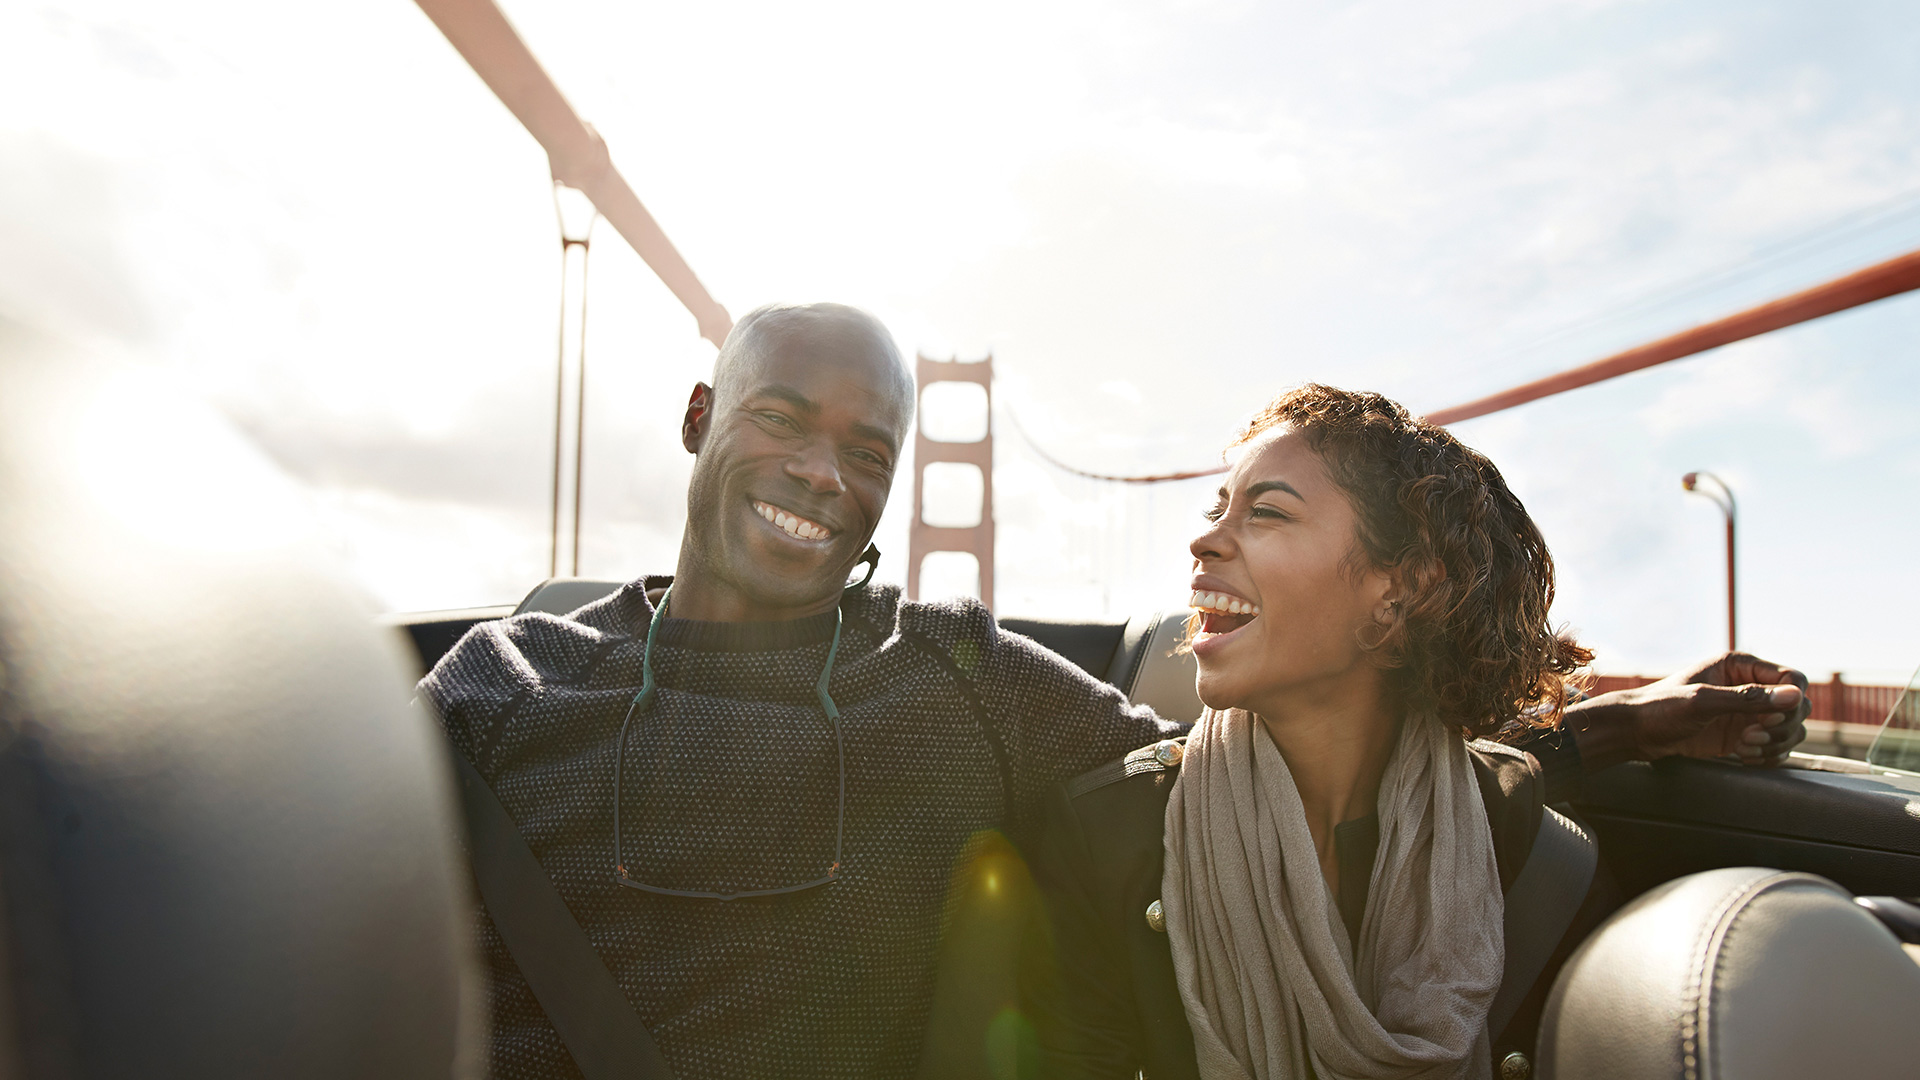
x,y
1897,746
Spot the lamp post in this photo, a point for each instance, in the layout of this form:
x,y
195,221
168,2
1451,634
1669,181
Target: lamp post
x,y
1723,498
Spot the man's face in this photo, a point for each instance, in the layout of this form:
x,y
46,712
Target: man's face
x,y
795,456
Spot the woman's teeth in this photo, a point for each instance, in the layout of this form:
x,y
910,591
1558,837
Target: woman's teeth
x,y
1221,604
797,527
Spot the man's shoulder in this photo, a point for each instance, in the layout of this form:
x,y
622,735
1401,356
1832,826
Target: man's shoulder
x,y
946,621
956,629
965,630
521,652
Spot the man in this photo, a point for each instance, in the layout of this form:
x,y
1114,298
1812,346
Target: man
x,y
798,765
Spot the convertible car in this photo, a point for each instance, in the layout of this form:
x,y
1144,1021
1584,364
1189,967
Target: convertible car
x,y
228,845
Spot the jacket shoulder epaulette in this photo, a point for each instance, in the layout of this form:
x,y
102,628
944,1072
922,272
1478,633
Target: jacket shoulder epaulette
x,y
1488,746
1155,757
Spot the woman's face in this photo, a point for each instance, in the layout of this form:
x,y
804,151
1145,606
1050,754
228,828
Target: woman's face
x,y
1279,583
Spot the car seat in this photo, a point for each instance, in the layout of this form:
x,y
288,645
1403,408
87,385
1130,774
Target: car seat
x,y
564,595
1736,974
226,842
1151,668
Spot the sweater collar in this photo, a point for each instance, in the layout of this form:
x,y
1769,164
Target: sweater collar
x,y
735,636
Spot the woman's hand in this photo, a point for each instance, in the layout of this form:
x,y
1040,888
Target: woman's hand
x,y
1738,704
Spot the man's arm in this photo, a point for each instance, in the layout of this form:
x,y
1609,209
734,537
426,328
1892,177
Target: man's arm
x,y
477,684
1054,720
1736,704
1074,982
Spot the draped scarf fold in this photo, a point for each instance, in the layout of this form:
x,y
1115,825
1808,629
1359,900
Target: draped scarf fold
x,y
1273,988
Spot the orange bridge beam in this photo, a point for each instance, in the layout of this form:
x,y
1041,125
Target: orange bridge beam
x,y
575,152
1877,282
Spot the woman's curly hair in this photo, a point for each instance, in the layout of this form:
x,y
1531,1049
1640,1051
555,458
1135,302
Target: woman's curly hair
x,y
1469,640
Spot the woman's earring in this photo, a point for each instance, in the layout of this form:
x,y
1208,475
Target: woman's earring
x,y
1383,626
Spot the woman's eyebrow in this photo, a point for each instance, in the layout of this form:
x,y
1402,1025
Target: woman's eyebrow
x,y
1265,486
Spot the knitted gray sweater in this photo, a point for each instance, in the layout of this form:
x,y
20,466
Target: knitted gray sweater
x,y
952,727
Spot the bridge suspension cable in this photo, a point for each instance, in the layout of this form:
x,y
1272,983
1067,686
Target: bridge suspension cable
x,y
1158,478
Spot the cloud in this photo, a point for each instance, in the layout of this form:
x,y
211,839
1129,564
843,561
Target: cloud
x,y
1155,217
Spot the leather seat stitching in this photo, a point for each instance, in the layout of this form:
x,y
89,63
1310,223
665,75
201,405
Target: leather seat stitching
x,y
1696,1022
1697,963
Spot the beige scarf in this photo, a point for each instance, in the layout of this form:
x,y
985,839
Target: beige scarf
x,y
1270,981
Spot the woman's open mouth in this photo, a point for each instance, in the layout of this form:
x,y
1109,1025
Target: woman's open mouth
x,y
1222,613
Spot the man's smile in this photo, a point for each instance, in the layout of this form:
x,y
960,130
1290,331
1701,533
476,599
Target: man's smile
x,y
792,524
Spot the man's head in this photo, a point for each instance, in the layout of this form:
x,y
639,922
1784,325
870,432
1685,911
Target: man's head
x,y
795,445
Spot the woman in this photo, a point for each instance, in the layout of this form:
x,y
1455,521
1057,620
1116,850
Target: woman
x,y
1326,854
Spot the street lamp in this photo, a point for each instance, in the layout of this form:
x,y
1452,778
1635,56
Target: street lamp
x,y
1723,498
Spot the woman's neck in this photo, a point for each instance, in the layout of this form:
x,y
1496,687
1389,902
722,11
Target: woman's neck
x,y
1336,740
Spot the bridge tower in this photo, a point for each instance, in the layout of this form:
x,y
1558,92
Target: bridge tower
x,y
976,540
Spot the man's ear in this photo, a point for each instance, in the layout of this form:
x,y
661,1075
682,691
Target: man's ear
x,y
693,426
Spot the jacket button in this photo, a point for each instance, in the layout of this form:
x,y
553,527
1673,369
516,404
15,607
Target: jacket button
x,y
1515,1066
1156,918
1168,753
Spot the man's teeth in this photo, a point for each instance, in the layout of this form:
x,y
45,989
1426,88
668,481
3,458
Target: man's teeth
x,y
1222,604
797,527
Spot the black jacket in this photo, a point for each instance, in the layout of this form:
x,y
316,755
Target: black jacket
x,y
1097,979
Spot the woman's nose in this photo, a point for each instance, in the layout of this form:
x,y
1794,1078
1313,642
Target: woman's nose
x,y
1214,543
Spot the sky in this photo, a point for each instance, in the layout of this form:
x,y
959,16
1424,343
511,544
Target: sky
x,y
1154,217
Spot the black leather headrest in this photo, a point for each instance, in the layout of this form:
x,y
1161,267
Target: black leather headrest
x,y
226,846
560,596
1151,669
1736,974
